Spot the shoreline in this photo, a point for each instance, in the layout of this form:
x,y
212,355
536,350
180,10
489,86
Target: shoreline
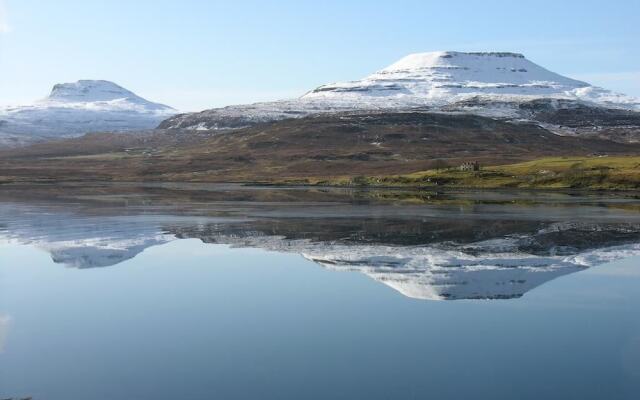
x,y
291,185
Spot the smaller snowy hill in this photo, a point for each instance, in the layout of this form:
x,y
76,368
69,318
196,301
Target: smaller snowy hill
x,y
73,109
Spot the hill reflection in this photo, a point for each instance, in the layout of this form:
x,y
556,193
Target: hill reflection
x,y
447,247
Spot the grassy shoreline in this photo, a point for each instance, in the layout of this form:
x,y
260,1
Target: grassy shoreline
x,y
619,173
584,173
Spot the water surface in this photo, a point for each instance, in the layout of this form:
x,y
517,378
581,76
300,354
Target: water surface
x,y
222,291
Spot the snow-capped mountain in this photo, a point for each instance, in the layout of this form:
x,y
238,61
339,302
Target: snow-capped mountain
x,y
493,84
73,109
439,78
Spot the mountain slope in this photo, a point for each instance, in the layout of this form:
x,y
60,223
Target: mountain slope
x,y
489,84
316,148
73,109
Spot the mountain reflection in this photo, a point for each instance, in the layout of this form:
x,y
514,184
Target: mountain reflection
x,y
460,246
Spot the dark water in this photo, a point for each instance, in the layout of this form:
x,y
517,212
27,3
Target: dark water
x,y
200,292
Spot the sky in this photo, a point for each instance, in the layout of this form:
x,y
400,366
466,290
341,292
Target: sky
x,y
195,55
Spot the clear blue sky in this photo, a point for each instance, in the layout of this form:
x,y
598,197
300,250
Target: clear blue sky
x,y
198,54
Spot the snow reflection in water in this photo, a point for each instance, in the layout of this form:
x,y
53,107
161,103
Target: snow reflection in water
x,y
457,246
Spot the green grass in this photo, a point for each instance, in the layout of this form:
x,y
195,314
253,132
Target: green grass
x,y
612,173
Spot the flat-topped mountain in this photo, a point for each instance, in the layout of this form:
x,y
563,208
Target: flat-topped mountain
x,y
438,77
502,85
73,109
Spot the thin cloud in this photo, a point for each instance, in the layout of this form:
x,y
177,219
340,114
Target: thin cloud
x,y
4,19
624,82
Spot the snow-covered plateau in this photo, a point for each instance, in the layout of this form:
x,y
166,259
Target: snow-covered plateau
x,y
490,84
73,109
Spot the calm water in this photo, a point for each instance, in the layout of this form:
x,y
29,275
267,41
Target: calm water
x,y
200,292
